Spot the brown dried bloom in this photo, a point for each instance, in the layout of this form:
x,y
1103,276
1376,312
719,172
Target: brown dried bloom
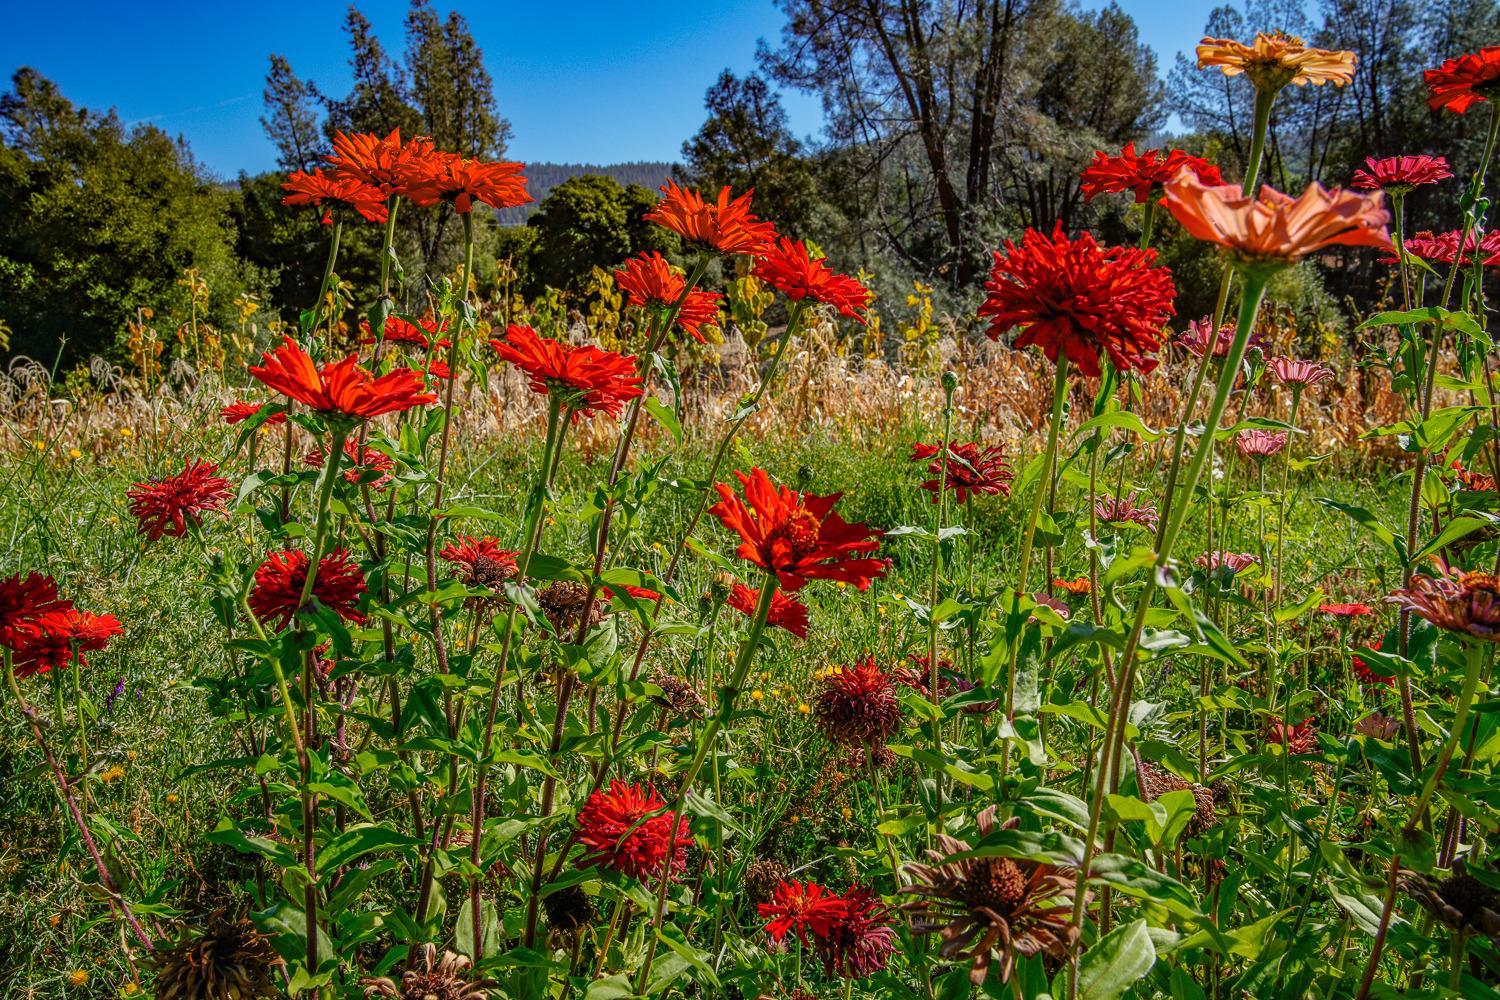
x,y
1155,781
1274,60
229,960
1460,901
568,909
1467,603
989,909
762,876
562,601
438,979
678,694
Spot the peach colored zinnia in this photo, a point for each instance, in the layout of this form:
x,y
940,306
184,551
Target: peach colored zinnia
x,y
1274,60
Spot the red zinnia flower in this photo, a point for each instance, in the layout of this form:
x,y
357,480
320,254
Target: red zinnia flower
x,y
59,634
237,411
1469,480
342,387
859,942
727,226
23,601
167,506
399,331
792,271
444,177
648,280
328,191
614,827
590,380
859,707
1399,174
1299,739
384,164
1141,174
1365,674
799,908
972,468
639,593
361,461
797,536
786,611
1077,298
280,579
1461,83
481,561
1347,610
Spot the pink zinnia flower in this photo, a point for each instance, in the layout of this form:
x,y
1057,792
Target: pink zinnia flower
x,y
1295,371
1235,561
1258,443
1399,174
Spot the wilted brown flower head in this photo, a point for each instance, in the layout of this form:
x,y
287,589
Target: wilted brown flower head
x,y
1467,603
1460,901
568,909
990,910
859,707
1155,781
678,694
447,978
562,601
762,876
229,960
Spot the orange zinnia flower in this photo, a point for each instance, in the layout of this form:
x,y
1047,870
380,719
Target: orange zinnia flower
x,y
324,190
649,280
444,177
589,380
342,388
727,226
792,271
1276,228
797,536
1275,60
384,164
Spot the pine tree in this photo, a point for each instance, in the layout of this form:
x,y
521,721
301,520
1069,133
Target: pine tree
x,y
291,118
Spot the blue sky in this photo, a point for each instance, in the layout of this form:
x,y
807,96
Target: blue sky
x,y
580,81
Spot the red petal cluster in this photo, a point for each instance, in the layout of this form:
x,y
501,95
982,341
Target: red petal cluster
x,y
167,506
61,635
649,280
1460,83
1442,248
481,560
326,190
361,462
797,536
389,166
1400,173
279,581
629,828
589,380
1141,173
24,601
342,388
786,611
858,706
1365,674
447,177
1299,739
789,268
238,411
400,331
972,468
1079,299
725,226
851,933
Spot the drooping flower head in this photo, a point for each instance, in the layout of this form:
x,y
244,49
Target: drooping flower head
x,y
462,182
23,602
1400,174
481,562
861,941
63,637
726,226
1200,337
1258,443
1234,562
361,464
805,909
628,828
790,269
168,506
342,389
1471,480
1274,60
1460,83
858,706
229,958
1276,230
1299,739
587,379
1297,372
1078,586
648,280
797,536
438,978
1468,603
786,611
400,331
1141,174
1378,726
1079,299
393,168
238,411
972,468
279,581
325,190
1113,510
989,911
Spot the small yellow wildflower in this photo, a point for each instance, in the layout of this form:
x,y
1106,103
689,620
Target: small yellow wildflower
x,y
847,813
131,755
54,920
78,977
757,695
172,799
130,990
74,453
41,445
112,774
126,432
804,708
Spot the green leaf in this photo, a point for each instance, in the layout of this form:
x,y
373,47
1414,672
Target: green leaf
x,y
1136,879
1457,528
360,840
665,416
1370,523
1116,962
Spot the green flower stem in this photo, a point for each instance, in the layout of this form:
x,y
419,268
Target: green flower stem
x,y
387,247
327,282
34,720
1148,218
1264,98
936,733
1477,655
1286,473
1254,290
705,744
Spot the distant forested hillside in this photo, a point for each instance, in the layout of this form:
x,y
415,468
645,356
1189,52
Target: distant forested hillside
x,y
543,177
